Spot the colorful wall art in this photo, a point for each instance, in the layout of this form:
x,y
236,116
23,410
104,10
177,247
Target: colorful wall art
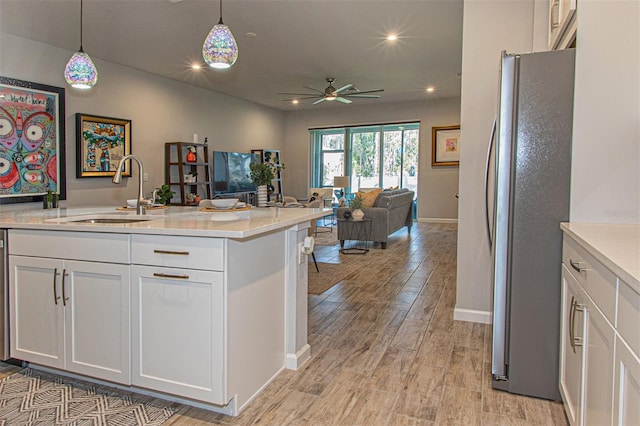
x,y
32,137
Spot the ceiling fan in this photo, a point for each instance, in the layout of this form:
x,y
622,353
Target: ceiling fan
x,y
333,94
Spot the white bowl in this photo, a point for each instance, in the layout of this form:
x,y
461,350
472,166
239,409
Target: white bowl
x,y
224,203
132,203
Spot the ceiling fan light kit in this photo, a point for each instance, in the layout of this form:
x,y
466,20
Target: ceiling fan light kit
x,y
220,49
333,94
80,71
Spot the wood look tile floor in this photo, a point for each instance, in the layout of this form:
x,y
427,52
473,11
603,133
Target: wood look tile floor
x,y
386,350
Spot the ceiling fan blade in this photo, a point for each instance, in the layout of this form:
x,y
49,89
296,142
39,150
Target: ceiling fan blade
x,y
298,94
300,98
345,88
358,95
315,90
319,100
364,91
343,100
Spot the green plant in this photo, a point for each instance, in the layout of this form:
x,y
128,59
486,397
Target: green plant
x,y
164,194
356,203
261,174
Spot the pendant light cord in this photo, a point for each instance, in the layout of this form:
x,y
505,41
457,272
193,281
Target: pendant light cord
x,y
81,26
220,22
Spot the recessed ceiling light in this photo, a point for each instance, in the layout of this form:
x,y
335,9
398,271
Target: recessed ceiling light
x,y
392,37
250,34
431,89
196,66
295,101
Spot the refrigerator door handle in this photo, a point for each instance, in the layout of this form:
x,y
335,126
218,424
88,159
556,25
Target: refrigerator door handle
x,y
492,139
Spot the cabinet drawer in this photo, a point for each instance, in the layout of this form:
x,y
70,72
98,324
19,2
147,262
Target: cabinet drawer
x,y
598,281
628,314
178,252
89,246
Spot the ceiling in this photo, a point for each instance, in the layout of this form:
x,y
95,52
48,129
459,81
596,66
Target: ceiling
x,y
297,43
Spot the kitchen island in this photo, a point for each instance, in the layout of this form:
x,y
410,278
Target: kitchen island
x,y
205,308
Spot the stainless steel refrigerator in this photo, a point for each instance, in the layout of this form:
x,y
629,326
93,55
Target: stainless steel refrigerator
x,y
527,191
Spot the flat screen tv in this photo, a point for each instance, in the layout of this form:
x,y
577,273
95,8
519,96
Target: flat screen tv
x,y
231,172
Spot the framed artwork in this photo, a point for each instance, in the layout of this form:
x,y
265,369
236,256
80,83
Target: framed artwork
x,y
445,150
100,144
32,141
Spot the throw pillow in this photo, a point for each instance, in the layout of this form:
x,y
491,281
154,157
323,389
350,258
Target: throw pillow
x,y
368,198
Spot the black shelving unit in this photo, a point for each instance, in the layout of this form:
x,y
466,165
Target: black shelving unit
x,y
177,168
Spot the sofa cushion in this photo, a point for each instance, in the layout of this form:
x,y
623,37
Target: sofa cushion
x,y
369,198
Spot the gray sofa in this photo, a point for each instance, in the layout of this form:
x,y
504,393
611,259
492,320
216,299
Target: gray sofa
x,y
391,211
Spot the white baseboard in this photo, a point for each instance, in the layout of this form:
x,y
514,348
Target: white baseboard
x,y
295,361
436,220
472,315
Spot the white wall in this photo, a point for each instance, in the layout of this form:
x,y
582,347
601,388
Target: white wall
x,y
161,110
605,172
488,28
605,169
436,186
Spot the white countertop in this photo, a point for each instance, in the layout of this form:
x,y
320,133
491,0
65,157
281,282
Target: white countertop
x,y
188,221
617,246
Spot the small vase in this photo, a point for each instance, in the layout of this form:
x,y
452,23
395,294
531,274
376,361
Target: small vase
x,y
357,214
262,196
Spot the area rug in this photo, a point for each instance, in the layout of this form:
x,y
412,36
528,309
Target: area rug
x,y
326,236
330,274
31,397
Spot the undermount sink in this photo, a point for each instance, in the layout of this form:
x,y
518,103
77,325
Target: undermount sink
x,y
110,220
103,218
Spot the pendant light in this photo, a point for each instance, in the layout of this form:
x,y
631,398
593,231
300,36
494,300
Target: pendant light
x,y
220,49
80,71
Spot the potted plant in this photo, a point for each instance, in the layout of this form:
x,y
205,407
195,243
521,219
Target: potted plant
x,y
356,208
261,175
164,194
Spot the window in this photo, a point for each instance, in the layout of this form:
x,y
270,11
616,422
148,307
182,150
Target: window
x,y
379,156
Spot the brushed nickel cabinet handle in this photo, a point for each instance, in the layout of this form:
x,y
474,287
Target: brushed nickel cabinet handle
x,y
575,341
554,21
175,277
64,295
55,290
571,324
576,266
177,253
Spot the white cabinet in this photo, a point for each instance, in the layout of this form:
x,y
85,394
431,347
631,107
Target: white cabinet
x,y
562,23
598,347
586,357
627,385
71,315
178,313
178,332
571,351
37,314
599,370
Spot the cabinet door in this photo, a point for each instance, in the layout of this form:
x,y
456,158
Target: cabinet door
x,y
626,401
37,315
178,332
598,371
97,308
561,16
571,355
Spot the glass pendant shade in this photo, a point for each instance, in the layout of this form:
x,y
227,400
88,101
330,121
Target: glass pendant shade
x,y
80,71
220,49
